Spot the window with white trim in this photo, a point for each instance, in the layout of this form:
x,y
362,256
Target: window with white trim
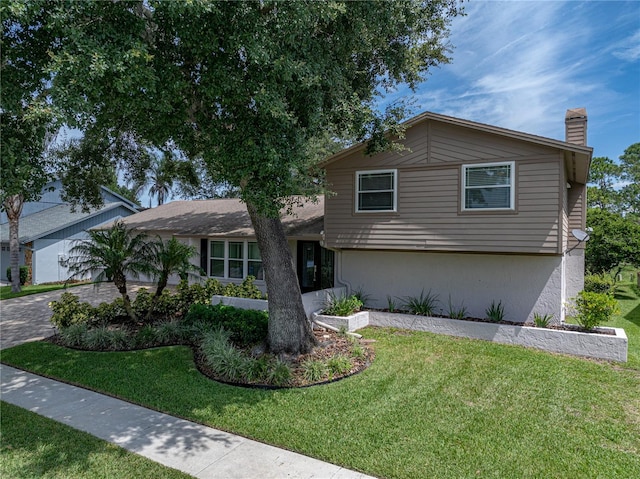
x,y
489,186
235,259
376,191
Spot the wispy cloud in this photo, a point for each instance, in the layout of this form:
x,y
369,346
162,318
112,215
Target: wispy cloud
x,y
522,64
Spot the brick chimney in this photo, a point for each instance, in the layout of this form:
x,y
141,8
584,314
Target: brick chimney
x,y
576,126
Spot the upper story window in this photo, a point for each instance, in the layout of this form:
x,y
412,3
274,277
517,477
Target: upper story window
x,y
235,260
376,190
489,186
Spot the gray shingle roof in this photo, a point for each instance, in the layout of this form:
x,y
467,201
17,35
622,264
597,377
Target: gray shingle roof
x,y
52,219
222,217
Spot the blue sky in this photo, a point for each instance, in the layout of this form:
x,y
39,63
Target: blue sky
x,y
522,64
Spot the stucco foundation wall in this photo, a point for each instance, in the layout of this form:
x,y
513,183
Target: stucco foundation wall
x,y
524,283
574,271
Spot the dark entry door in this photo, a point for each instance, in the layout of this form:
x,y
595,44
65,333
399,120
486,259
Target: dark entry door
x,y
315,266
309,265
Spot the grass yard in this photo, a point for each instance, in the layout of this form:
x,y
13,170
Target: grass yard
x,y
5,291
33,446
430,406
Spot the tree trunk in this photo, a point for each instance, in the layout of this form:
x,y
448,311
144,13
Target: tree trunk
x,y
289,329
120,282
13,207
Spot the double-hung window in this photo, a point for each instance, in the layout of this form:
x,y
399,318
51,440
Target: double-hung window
x,y
235,260
376,191
254,262
216,261
489,186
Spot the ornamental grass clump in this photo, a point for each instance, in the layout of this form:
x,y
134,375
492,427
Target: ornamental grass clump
x,y
424,305
593,309
342,305
495,312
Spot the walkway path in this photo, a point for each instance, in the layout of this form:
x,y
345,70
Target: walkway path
x,y
198,450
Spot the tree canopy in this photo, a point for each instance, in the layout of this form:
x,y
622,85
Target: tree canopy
x,y
245,87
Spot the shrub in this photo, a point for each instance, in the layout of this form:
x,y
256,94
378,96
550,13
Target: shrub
x,y
74,335
69,310
169,332
142,302
120,340
495,312
542,320
593,309
106,313
24,274
599,283
246,326
339,364
279,374
314,370
146,337
361,295
424,305
98,338
342,306
459,312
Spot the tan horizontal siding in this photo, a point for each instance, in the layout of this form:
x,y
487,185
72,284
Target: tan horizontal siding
x,y
428,213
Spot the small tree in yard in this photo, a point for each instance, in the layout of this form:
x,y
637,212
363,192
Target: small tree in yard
x,y
114,254
245,87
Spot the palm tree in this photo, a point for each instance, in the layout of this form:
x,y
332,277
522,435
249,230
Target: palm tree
x,y
113,253
167,258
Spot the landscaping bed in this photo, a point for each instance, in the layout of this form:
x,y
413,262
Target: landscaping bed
x,y
601,343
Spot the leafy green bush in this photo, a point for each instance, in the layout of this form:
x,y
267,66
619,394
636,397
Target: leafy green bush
x,y
542,320
69,310
24,274
424,305
495,312
593,309
106,313
247,289
599,283
142,302
246,326
342,305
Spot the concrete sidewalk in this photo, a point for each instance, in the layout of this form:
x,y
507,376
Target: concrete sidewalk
x,y
198,450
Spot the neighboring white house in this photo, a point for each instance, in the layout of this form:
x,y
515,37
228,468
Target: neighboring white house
x,y
49,227
468,211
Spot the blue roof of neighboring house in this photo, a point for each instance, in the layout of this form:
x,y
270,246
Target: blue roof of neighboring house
x,y
56,218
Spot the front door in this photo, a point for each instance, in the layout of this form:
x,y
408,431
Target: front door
x,y
309,265
315,266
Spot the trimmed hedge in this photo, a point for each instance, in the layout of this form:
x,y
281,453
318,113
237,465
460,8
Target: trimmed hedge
x,y
24,274
246,326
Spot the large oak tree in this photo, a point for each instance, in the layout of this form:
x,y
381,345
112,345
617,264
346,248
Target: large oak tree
x,y
246,87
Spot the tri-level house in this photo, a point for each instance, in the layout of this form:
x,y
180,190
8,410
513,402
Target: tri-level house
x,y
473,213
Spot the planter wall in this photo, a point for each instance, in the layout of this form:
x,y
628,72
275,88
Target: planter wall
x,y
243,303
353,322
594,345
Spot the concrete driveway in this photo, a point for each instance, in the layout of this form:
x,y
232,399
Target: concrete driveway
x,y
27,318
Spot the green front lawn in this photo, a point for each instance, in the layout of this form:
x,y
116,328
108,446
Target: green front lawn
x,y
33,446
430,406
5,291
